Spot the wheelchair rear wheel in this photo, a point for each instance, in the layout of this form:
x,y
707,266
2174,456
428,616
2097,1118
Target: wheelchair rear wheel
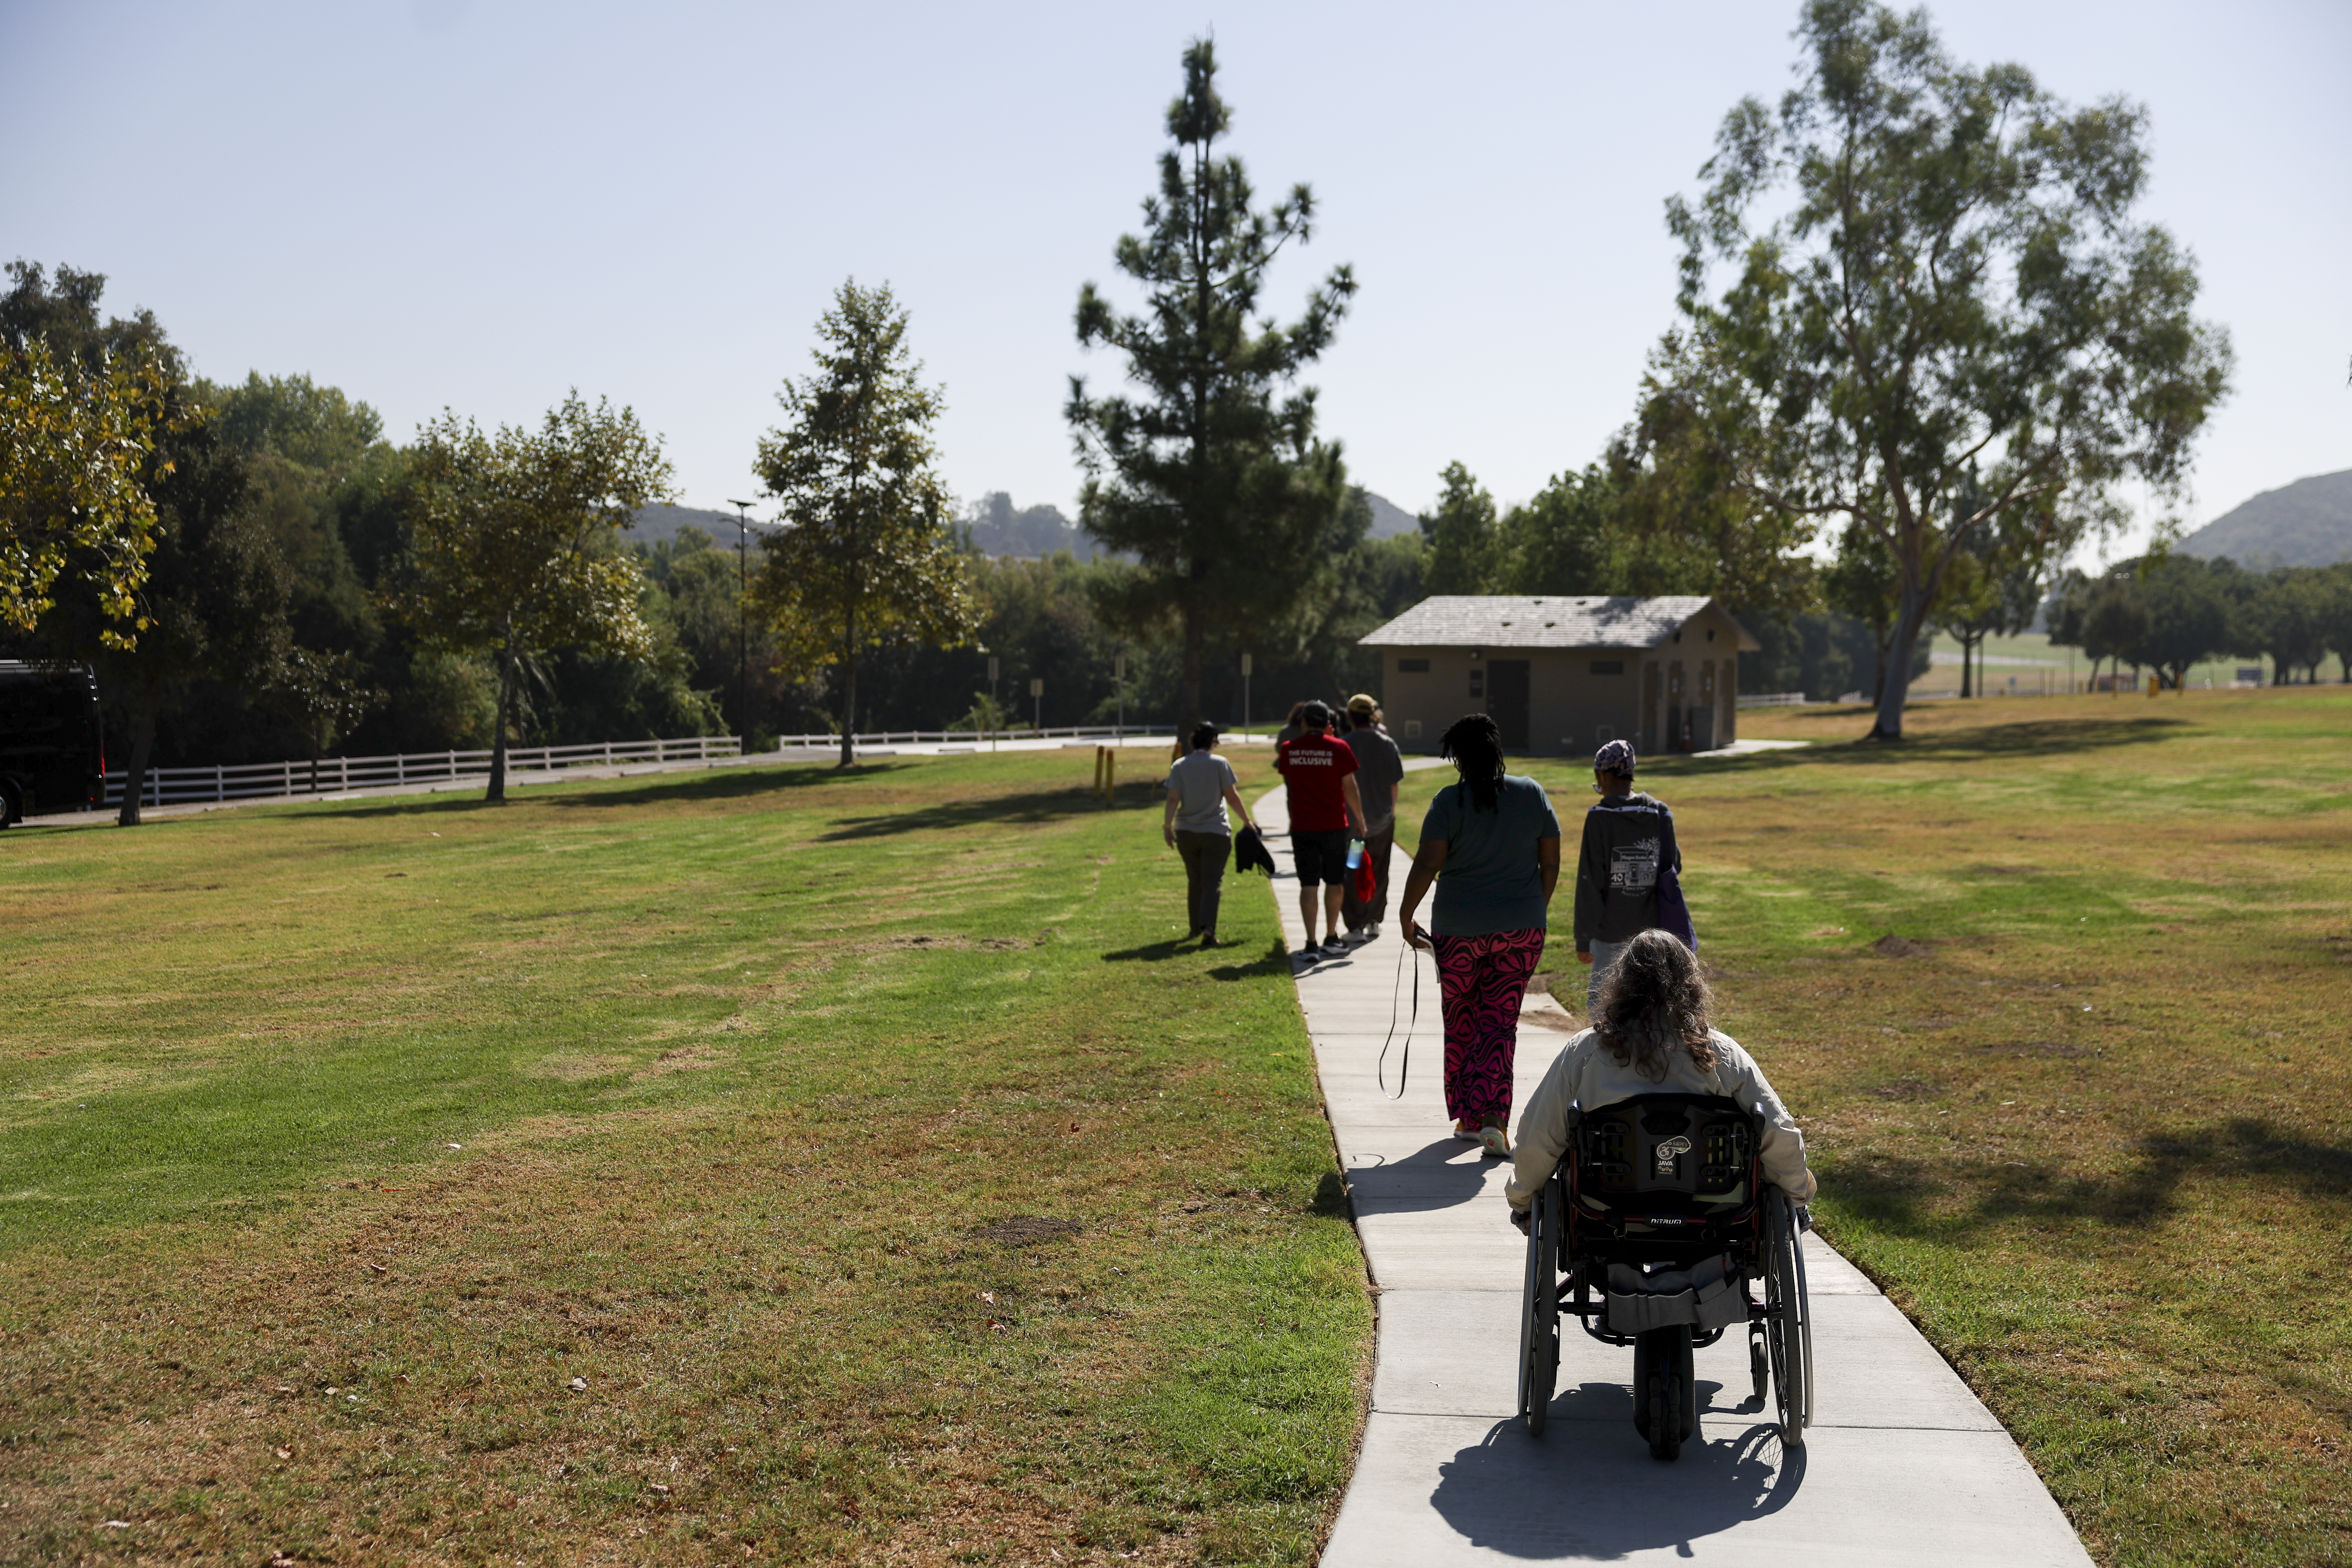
x,y
1666,1396
1539,1310
1788,1323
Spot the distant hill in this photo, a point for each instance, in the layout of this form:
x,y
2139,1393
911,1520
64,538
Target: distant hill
x,y
1388,517
2306,523
655,523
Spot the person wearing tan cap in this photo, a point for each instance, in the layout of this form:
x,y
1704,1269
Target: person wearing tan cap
x,y
1380,769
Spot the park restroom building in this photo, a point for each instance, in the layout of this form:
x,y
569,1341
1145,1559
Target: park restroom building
x,y
1561,674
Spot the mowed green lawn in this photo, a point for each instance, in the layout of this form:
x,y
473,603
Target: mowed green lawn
x,y
2087,1117
770,1165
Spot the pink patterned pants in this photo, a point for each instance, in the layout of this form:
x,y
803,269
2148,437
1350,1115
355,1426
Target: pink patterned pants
x,y
1482,979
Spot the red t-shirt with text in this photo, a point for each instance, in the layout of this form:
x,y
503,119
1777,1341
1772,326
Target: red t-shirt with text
x,y
1312,766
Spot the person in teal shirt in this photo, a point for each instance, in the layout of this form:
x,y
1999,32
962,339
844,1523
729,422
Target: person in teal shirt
x,y
1491,845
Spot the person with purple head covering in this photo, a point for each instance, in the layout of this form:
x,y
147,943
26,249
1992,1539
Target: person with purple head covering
x,y
1628,838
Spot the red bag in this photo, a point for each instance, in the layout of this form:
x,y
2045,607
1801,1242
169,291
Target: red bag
x,y
1368,885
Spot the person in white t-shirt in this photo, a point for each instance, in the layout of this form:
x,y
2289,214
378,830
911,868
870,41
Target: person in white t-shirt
x,y
1199,786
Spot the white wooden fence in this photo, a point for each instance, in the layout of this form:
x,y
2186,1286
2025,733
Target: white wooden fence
x,y
978,737
338,776
335,775
1772,700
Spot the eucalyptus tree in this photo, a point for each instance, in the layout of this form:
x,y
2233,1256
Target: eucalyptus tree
x,y
514,543
868,555
1212,477
1930,270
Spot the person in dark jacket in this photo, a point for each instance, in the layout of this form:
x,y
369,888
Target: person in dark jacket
x,y
1626,836
1380,769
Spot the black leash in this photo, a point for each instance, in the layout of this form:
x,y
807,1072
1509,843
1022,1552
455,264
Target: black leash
x,y
1404,1067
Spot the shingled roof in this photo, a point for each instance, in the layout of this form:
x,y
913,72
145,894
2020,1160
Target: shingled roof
x,y
1512,620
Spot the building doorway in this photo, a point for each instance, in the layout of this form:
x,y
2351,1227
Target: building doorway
x,y
1507,701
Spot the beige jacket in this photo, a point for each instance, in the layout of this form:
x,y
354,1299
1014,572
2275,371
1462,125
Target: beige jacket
x,y
1585,1074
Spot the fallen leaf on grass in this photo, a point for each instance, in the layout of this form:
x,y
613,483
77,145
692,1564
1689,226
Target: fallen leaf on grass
x,y
661,1489
989,1296
579,1385
116,1524
283,1389
377,1269
283,1453
1000,1327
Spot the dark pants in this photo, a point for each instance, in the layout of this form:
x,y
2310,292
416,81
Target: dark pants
x,y
1205,875
1374,910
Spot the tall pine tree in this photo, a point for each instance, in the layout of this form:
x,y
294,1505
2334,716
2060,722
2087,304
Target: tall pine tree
x,y
1212,478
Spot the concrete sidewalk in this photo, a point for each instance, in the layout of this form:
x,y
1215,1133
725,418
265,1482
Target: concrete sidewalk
x,y
1902,1464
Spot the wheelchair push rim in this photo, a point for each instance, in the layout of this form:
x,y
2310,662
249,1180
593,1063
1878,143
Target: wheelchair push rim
x,y
1539,1312
1787,1325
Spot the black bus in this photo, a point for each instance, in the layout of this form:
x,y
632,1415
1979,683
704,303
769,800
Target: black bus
x,y
52,753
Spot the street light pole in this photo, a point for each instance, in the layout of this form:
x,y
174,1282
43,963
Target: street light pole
x,y
743,620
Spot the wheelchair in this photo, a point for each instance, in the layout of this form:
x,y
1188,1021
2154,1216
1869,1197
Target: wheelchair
x,y
1651,1232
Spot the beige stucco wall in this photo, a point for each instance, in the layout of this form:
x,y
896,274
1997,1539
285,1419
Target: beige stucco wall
x,y
1569,706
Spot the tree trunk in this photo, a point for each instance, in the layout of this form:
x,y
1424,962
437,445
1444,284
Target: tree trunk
x,y
1894,665
849,690
142,751
499,731
1967,647
1187,691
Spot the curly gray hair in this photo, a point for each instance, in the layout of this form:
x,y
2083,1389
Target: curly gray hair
x,y
1653,1001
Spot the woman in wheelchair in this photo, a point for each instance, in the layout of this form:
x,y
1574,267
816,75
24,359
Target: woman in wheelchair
x,y
1657,1171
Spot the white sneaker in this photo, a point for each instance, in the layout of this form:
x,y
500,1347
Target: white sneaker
x,y
1372,933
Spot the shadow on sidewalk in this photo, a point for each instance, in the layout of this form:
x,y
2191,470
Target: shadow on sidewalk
x,y
1589,1488
1443,1175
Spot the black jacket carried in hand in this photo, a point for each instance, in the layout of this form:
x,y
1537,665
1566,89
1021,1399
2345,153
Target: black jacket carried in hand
x,y
1626,839
1250,850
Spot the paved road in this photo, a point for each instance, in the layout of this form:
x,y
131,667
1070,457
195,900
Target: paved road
x,y
1902,1464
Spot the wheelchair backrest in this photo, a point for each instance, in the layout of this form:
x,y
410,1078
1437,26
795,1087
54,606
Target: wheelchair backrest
x,y
1667,1150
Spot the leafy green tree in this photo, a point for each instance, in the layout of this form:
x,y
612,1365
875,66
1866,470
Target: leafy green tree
x,y
1949,276
2335,615
1212,479
869,553
323,695
2189,614
209,602
515,543
1462,537
2285,618
83,404
73,447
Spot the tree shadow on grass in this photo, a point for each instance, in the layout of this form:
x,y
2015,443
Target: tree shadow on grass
x,y
1898,1194
1025,810
2037,738
732,784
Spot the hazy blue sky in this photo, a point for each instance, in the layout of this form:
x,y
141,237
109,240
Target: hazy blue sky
x,y
483,203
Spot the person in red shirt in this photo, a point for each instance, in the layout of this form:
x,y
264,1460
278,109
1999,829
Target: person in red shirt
x,y
1325,805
